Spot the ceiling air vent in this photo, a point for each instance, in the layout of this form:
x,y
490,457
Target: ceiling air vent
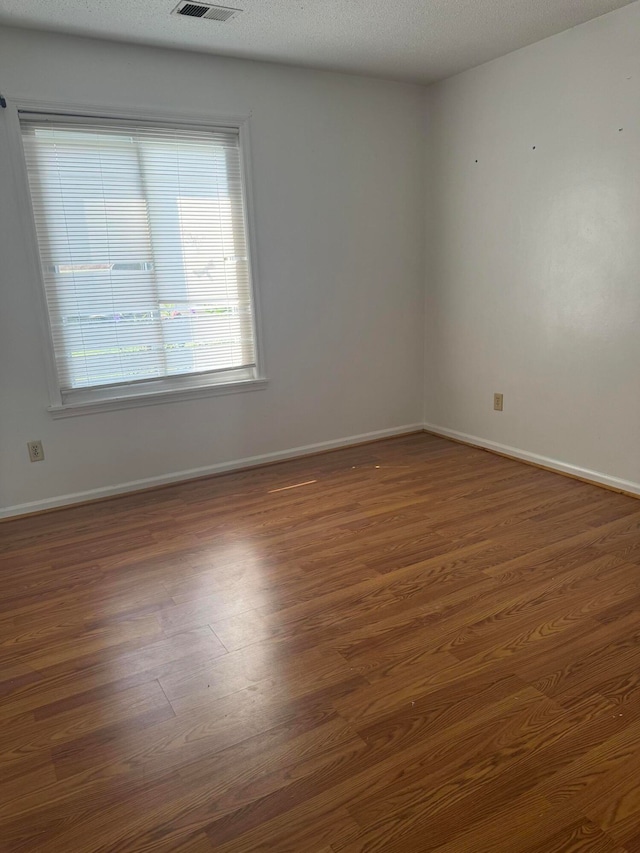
x,y
204,11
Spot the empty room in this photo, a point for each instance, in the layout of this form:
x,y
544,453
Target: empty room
x,y
319,426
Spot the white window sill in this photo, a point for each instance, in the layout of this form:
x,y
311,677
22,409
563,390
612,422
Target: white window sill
x,y
153,398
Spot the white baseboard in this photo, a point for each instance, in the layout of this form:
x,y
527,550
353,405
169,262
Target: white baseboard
x,y
207,470
545,461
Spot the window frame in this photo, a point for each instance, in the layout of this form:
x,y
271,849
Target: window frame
x,y
165,389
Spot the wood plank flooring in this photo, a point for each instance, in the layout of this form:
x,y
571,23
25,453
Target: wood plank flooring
x,y
407,646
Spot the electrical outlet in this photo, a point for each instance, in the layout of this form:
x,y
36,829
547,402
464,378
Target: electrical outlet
x,y
497,402
36,453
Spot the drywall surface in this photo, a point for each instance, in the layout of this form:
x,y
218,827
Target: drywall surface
x,y
339,218
533,268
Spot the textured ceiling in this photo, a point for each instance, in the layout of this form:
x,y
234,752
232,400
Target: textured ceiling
x,y
420,40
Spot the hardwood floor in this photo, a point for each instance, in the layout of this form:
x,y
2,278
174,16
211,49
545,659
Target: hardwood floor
x,y
408,646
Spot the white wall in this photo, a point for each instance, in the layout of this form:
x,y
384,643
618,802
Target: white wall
x,y
533,278
337,164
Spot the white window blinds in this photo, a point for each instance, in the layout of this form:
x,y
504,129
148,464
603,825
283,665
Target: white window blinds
x,y
144,252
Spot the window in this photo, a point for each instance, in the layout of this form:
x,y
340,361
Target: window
x,y
144,251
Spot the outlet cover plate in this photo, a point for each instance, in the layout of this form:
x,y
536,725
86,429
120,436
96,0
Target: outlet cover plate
x,y
36,453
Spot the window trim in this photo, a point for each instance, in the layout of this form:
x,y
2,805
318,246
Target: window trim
x,y
167,389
